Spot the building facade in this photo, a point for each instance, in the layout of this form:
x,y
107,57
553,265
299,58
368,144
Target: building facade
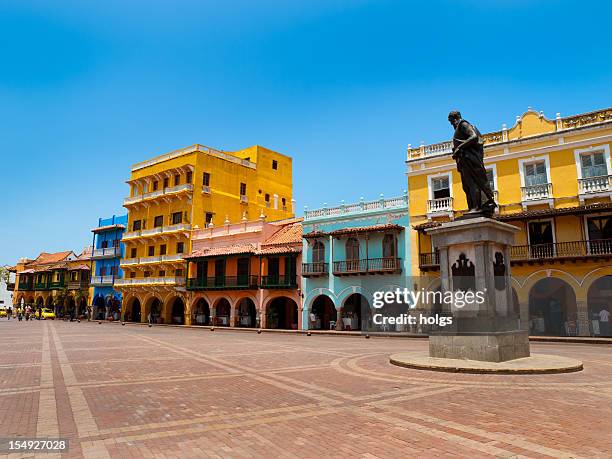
x,y
107,253
349,252
189,189
59,281
246,275
552,180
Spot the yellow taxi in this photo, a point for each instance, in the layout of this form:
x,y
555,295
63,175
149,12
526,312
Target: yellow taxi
x,y
48,314
3,312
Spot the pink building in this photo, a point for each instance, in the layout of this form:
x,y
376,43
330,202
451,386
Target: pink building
x,y
246,274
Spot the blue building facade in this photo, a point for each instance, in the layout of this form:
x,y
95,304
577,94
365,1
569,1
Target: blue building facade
x,y
107,253
349,252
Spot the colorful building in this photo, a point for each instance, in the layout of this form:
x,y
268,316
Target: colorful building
x,y
245,275
552,179
195,187
349,252
107,253
59,281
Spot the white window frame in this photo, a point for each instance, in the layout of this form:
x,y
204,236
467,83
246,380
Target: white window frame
x,y
430,178
493,167
605,149
534,159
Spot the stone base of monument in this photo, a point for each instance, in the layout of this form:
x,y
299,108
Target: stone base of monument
x,y
485,346
534,364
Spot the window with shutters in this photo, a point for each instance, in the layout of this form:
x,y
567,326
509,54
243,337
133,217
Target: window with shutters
x,y
177,217
593,165
158,221
535,174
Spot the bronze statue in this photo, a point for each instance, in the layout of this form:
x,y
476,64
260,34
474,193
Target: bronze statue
x,y
468,151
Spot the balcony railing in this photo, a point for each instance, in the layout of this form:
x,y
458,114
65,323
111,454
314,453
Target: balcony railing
x,y
358,207
41,285
429,259
223,283
102,280
439,205
10,286
175,257
536,192
205,189
154,259
244,199
78,285
367,265
29,285
129,261
573,249
156,193
157,230
107,252
280,281
315,269
149,281
540,252
594,184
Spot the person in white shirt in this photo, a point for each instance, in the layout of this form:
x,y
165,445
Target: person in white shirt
x,y
604,322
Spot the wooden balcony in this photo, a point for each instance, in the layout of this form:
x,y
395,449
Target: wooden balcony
x,y
280,281
541,253
315,269
28,285
78,285
367,266
429,260
10,286
223,283
561,251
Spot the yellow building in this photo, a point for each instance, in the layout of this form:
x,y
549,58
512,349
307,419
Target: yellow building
x,y
188,189
552,180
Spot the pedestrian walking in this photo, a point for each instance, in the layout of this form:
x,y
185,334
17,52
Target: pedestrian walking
x,y
19,314
150,319
28,311
10,312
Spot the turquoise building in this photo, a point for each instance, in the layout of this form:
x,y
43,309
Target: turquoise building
x,y
349,252
107,253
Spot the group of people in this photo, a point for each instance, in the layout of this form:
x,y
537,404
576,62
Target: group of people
x,y
27,313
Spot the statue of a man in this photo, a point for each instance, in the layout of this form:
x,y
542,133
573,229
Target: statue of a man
x,y
468,151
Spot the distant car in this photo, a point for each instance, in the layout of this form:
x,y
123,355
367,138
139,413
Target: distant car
x,y
3,313
48,314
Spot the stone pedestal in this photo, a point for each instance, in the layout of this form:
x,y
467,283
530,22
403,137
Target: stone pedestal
x,y
475,257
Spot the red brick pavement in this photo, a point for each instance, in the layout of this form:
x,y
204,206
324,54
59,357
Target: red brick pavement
x,y
135,391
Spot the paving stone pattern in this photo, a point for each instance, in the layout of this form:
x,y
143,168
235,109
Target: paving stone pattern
x,y
134,391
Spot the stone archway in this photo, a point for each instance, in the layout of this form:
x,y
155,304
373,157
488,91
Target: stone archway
x,y
246,313
177,311
322,314
99,305
354,309
552,308
223,311
154,307
200,312
282,313
599,301
133,312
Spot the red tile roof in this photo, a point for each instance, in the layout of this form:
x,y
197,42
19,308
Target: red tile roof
x,y
355,230
234,249
288,234
45,257
278,249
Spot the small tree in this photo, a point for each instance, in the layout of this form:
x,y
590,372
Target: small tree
x,y
5,275
60,299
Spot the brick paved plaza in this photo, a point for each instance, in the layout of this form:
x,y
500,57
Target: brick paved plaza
x,y
135,391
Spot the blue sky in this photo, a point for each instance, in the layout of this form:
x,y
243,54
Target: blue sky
x,y
89,88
